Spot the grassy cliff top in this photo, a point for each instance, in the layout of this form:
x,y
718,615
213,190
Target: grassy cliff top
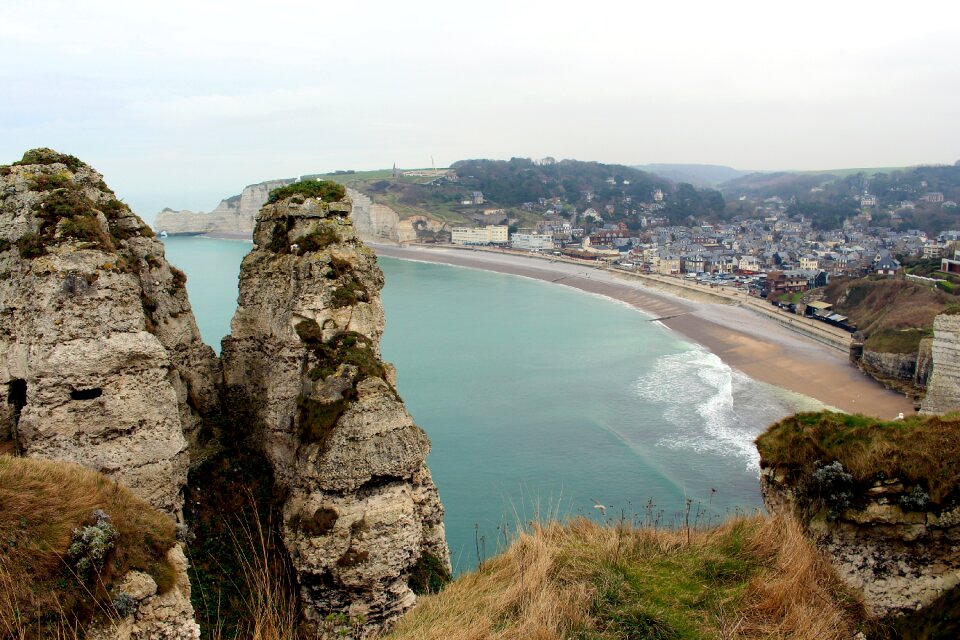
x,y
67,534
885,306
920,450
326,190
750,578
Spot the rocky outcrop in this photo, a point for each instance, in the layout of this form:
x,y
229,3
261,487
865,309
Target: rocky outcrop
x,y
883,541
234,215
302,362
943,389
99,352
147,614
895,366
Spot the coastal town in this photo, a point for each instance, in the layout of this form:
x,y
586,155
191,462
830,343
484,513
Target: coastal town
x,y
771,254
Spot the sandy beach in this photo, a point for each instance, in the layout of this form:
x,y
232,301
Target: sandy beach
x,y
745,339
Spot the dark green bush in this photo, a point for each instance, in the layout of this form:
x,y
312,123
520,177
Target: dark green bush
x,y
49,156
429,574
326,190
87,228
64,203
317,419
350,293
345,348
50,181
31,246
317,240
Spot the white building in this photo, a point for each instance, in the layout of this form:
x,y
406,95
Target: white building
x,y
491,234
532,241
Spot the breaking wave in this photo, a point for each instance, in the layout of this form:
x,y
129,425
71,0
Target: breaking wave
x,y
712,408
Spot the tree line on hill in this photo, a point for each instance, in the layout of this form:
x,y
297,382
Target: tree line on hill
x,y
513,182
829,199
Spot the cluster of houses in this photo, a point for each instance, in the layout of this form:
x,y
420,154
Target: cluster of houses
x,y
787,251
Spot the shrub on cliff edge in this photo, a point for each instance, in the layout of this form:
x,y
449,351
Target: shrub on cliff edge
x,y
919,450
324,189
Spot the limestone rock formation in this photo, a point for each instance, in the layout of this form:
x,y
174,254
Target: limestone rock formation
x,y
902,559
99,351
234,215
943,388
303,363
373,222
152,615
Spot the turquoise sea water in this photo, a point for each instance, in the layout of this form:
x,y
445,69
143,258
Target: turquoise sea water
x,y
544,400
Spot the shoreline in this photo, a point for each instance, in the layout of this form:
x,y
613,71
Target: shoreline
x,y
744,337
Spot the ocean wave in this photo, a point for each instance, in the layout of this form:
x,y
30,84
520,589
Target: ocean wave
x,y
712,408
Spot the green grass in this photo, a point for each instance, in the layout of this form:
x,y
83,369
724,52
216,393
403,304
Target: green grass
x,y
921,451
587,582
897,340
796,297
49,156
324,189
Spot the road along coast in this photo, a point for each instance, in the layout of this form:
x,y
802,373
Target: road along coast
x,y
780,350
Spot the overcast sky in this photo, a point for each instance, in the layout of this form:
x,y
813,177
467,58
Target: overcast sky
x,y
179,103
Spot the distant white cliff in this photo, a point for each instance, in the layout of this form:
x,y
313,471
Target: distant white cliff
x,y
234,215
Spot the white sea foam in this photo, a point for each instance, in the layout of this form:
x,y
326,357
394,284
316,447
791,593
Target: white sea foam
x,y
712,408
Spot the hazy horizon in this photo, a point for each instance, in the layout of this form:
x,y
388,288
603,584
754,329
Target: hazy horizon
x,y
183,104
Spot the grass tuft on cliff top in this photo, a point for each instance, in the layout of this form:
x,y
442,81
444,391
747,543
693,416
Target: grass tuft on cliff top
x,y
750,578
326,190
42,502
920,450
44,155
897,340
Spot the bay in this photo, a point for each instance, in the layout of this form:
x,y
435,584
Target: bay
x,y
543,401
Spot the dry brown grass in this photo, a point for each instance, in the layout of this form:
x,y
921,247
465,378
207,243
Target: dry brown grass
x,y
270,609
41,503
920,450
875,304
750,578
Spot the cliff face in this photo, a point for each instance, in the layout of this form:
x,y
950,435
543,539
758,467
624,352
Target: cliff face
x,y
302,361
379,223
99,351
235,215
902,560
943,389
904,372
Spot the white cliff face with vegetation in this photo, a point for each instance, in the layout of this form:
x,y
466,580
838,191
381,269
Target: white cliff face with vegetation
x,y
103,366
880,500
99,350
234,215
362,513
